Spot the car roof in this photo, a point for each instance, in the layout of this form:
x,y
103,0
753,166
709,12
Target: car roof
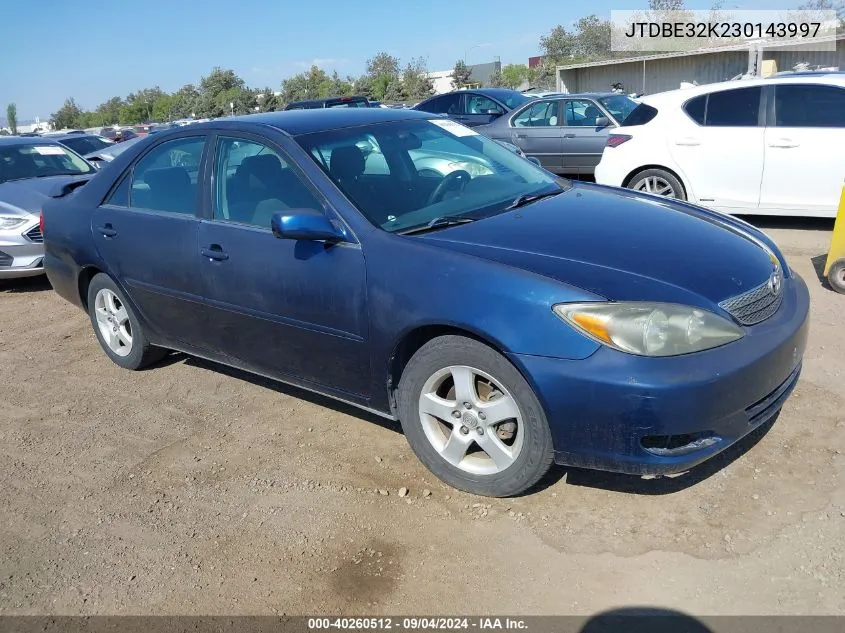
x,y
62,137
296,122
683,94
27,140
327,99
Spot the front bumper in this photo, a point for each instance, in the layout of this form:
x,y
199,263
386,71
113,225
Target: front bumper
x,y
21,252
606,411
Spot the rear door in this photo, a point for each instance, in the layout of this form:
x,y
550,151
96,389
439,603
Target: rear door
x,y
583,139
803,174
537,130
448,105
717,140
146,232
283,308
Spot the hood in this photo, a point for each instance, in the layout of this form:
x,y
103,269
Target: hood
x,y
621,245
27,196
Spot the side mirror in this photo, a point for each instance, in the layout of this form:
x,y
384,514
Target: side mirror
x,y
602,121
305,224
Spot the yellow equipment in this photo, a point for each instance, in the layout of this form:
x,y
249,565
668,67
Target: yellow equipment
x,y
834,268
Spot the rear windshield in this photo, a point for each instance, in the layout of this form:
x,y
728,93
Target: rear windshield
x,y
620,106
353,103
640,115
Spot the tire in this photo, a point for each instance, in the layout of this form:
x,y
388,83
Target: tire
x,y
836,276
109,311
521,459
646,180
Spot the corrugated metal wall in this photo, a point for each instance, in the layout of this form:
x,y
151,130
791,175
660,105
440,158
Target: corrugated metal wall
x,y
668,73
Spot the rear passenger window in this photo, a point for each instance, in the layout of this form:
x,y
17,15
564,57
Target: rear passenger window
x,y
120,196
733,108
166,178
809,106
696,109
447,104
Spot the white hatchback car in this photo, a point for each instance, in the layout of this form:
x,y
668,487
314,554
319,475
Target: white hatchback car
x,y
772,146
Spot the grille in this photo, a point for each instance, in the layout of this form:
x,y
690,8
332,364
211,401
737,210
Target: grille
x,y
34,234
756,305
5,260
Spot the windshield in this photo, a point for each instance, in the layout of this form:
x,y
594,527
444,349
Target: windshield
x,y
86,144
37,161
357,103
620,106
405,174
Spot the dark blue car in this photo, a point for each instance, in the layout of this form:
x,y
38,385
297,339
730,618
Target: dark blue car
x,y
507,317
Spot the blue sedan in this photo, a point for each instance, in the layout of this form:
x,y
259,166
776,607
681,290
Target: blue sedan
x,y
507,317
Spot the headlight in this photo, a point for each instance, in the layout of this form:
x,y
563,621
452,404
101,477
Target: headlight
x,y
649,329
474,169
10,222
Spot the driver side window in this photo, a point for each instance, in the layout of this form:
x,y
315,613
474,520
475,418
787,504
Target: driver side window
x,y
542,114
479,104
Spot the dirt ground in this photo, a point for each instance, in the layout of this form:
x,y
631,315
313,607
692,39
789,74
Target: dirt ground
x,y
193,489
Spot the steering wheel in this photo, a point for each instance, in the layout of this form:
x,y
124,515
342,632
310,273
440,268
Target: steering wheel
x,y
459,176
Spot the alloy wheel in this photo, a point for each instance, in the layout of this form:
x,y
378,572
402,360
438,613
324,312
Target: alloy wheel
x,y
113,322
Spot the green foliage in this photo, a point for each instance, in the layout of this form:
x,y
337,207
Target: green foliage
x,y
496,80
68,116
12,117
416,84
460,74
513,75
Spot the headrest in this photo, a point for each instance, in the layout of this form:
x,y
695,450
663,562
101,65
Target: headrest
x,y
347,162
266,168
591,112
167,178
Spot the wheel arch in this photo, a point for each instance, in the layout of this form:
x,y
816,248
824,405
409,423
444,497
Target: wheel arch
x,y
413,339
84,281
627,180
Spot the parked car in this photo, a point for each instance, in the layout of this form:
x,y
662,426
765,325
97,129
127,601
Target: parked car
x,y
508,320
759,146
330,102
474,107
84,144
118,135
32,169
566,133
108,153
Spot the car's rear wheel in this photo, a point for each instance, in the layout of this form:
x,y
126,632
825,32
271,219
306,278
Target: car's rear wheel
x,y
472,419
658,182
117,327
836,275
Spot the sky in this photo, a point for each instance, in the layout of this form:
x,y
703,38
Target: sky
x,y
92,50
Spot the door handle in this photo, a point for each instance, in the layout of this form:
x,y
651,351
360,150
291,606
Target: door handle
x,y
785,143
520,136
568,136
106,230
688,142
214,252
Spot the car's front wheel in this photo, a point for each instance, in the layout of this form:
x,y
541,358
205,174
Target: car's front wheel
x,y
117,327
658,182
472,419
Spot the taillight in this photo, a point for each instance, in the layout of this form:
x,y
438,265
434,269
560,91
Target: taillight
x,y
615,140
41,222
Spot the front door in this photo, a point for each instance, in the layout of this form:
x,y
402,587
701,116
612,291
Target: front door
x,y
802,173
146,232
284,308
583,139
537,131
478,109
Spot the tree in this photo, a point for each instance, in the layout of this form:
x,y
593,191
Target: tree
x,y
592,39
109,111
496,80
67,116
383,64
415,80
514,75
185,102
460,74
666,5
12,117
216,91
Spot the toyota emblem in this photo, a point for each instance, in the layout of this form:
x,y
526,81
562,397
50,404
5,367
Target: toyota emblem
x,y
774,283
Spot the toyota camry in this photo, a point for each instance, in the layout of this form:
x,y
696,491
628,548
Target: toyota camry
x,y
507,318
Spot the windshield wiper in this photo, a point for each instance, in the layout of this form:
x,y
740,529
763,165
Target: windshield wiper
x,y
528,198
435,224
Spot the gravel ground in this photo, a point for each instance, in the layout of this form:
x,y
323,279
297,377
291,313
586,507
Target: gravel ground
x,y
193,489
